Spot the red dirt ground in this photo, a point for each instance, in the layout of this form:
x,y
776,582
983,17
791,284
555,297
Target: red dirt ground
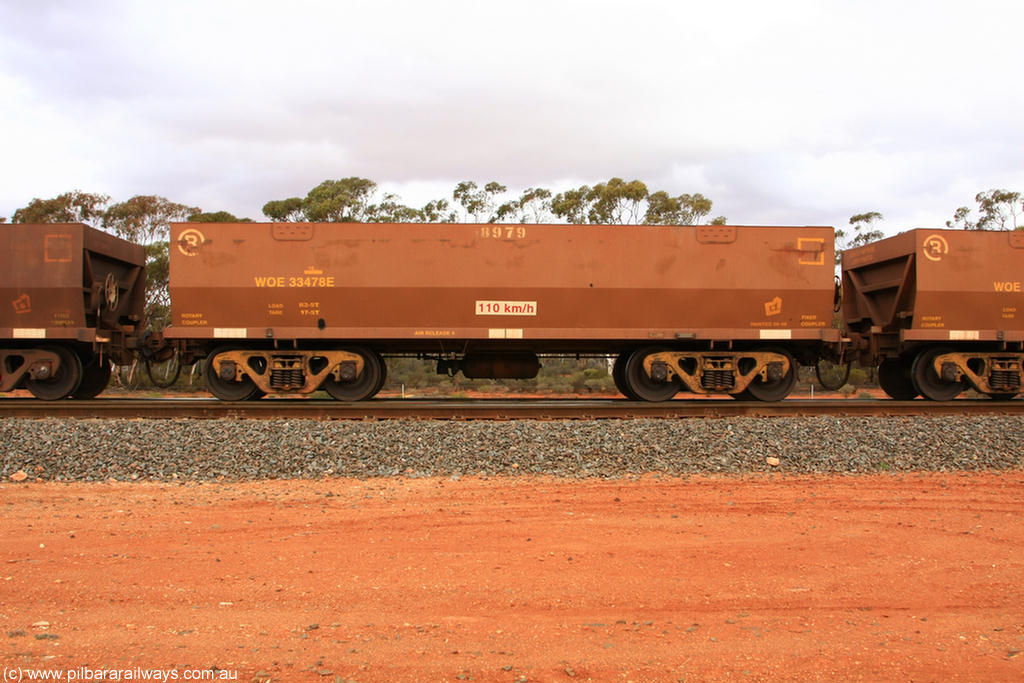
x,y
776,578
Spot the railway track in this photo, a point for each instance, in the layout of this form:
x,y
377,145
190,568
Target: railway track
x,y
489,409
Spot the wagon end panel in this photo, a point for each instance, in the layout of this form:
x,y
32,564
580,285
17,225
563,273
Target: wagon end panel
x,y
68,280
41,279
879,290
114,277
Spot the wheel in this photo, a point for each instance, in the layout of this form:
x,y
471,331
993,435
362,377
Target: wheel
x,y
927,381
895,380
619,376
95,377
640,384
64,382
164,374
829,376
224,388
1001,397
368,383
383,375
777,389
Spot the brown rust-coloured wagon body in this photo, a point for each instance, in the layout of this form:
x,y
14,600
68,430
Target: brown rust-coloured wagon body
x,y
73,297
292,307
940,310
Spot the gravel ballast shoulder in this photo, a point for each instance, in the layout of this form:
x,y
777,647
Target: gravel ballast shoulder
x,y
232,450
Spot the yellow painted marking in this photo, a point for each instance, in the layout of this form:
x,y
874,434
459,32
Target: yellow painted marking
x,y
935,247
811,244
282,281
190,240
57,248
503,232
23,304
230,332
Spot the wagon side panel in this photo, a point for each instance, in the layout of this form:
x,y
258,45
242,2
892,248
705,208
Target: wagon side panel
x,y
473,281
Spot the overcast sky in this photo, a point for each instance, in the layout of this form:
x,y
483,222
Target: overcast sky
x,y
781,112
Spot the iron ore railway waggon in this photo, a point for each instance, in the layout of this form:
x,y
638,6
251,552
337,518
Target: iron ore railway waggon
x,y
938,311
299,307
73,300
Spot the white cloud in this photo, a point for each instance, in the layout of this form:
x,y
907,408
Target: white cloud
x,y
798,112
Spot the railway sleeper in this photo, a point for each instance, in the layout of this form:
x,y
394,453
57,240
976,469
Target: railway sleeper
x,y
716,372
991,372
293,371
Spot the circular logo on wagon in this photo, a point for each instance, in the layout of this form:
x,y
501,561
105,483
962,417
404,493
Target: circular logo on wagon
x,y
935,247
189,241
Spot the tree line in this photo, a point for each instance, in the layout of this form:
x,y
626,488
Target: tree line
x,y
145,218
614,202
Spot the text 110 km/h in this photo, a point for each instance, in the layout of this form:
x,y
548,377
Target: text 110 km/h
x,y
506,308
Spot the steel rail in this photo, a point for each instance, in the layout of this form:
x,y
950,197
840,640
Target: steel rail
x,y
489,409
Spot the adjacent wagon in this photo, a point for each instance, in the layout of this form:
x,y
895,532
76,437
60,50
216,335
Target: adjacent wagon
x,y
939,311
73,300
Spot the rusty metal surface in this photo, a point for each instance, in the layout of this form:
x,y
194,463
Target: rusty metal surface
x,y
67,281
268,382
451,409
689,367
427,286
17,364
937,285
990,373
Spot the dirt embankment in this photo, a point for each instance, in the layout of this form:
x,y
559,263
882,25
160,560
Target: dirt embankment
x,y
874,578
